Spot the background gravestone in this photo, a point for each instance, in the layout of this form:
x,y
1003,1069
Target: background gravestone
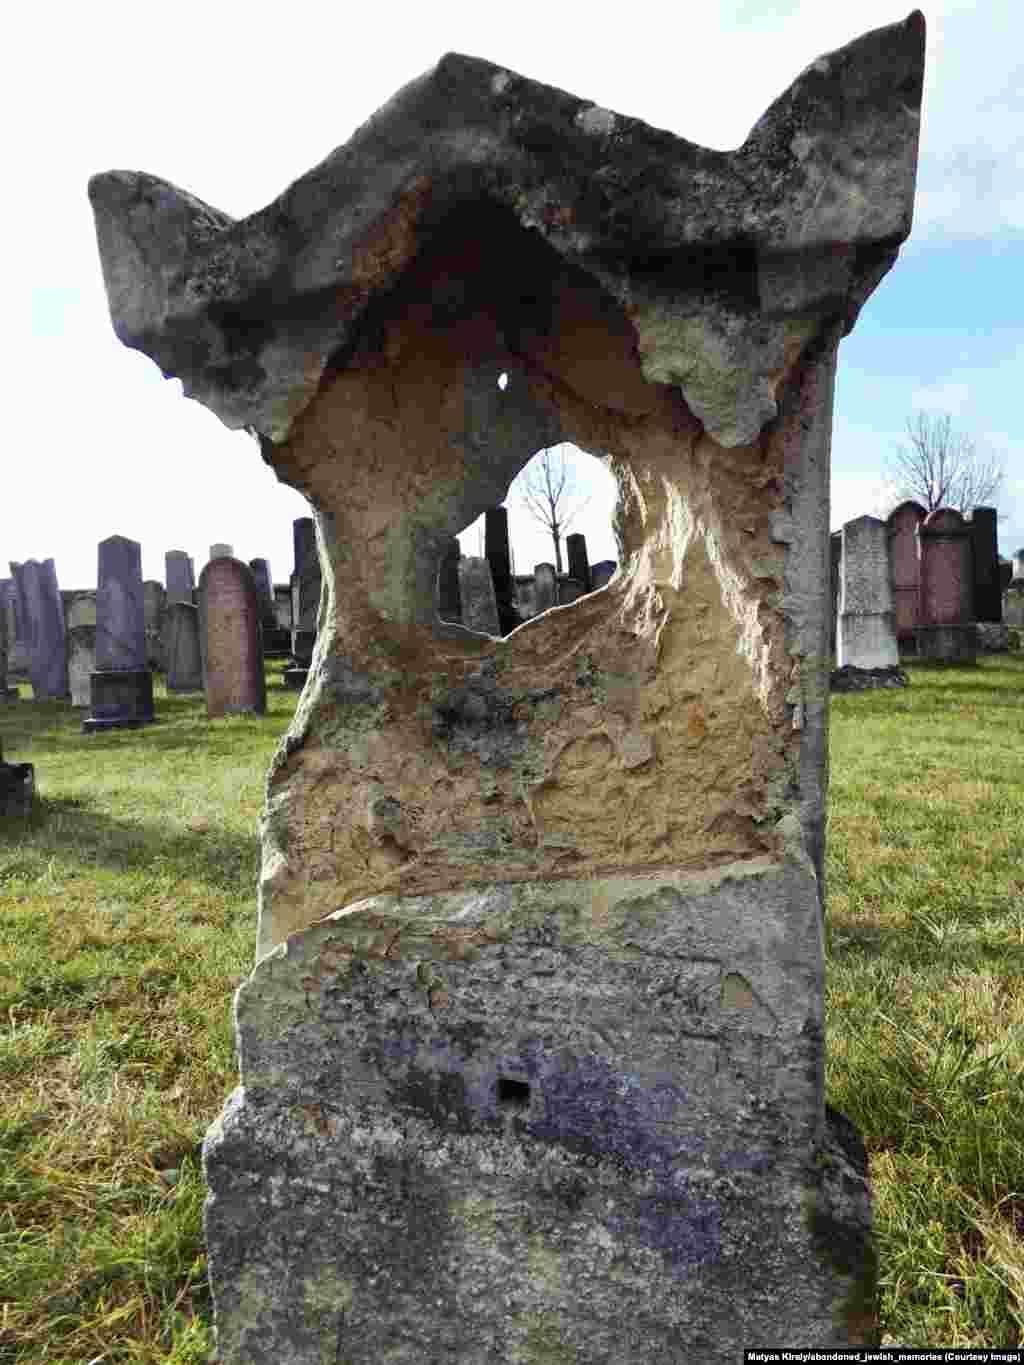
x,y
180,577
946,631
866,635
221,550
449,599
579,564
602,573
987,591
499,560
184,656
305,591
532,1056
476,592
42,618
7,692
545,590
154,597
81,663
121,685
230,639
79,609
17,654
904,552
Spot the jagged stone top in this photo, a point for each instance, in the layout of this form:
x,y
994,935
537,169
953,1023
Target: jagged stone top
x,y
248,312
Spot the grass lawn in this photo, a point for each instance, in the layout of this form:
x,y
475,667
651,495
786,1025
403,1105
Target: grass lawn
x,y
127,919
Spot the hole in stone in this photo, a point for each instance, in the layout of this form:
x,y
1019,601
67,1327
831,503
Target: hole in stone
x,y
515,1093
549,543
503,381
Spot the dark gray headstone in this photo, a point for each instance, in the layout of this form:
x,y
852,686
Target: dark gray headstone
x,y
579,564
1005,577
180,577
499,558
120,606
155,603
545,587
988,596
42,616
184,657
306,585
602,572
449,601
264,589
479,609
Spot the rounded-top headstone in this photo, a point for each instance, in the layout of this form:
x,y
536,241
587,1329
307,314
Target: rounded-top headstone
x,y
230,639
120,606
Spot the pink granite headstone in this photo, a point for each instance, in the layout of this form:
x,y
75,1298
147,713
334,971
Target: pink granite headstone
x,y
946,630
230,639
906,570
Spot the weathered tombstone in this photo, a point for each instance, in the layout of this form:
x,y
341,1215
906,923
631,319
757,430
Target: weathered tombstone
x,y
80,609
180,577
499,560
476,591
305,590
230,639
221,550
17,654
42,617
276,642
283,606
903,522
121,684
988,596
81,663
154,598
532,1055
568,590
449,600
836,560
7,693
184,656
1005,575
17,786
946,632
602,572
866,634
545,587
579,564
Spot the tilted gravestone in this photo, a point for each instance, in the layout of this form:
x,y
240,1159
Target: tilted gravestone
x,y
180,576
946,629
904,552
230,639
42,617
532,1055
17,653
121,685
499,559
866,636
476,591
184,656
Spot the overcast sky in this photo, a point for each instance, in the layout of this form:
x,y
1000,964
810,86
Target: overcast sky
x,y
233,103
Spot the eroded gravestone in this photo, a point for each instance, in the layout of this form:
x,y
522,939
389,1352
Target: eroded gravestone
x,y
945,632
230,639
476,591
121,684
7,692
154,597
532,1055
42,617
178,571
184,656
81,663
904,558
866,636
305,592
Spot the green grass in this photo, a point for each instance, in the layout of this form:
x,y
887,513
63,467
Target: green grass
x,y
127,919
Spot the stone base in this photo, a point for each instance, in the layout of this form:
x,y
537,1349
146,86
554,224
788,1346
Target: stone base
x,y
540,1121
17,787
121,699
867,641
947,644
277,643
851,679
296,676
993,637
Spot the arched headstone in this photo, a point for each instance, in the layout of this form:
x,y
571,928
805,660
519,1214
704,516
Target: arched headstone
x,y
230,639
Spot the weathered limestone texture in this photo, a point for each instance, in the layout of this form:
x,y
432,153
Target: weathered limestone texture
x,y
866,635
946,631
476,592
81,663
532,1056
184,656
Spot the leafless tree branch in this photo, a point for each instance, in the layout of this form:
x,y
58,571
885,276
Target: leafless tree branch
x,y
942,468
546,487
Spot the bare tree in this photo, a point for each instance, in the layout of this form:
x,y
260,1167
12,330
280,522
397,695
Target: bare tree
x,y
548,488
941,468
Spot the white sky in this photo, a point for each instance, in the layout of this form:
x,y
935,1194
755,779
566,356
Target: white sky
x,y
235,102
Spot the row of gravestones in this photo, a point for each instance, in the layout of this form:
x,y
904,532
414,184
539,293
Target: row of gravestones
x,y
483,594
98,649
928,584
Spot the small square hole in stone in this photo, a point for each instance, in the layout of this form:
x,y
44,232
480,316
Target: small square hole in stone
x,y
513,1092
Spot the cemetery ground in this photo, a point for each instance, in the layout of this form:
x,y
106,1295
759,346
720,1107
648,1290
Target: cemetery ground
x,y
127,920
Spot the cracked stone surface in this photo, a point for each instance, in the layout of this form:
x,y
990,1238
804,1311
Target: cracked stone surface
x,y
531,1059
